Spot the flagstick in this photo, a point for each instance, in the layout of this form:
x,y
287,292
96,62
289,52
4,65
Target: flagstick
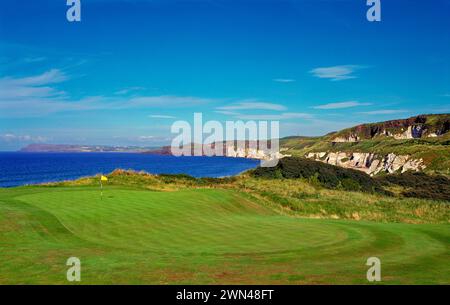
x,y
101,189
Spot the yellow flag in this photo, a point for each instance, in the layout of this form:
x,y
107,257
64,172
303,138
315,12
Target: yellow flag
x,y
103,178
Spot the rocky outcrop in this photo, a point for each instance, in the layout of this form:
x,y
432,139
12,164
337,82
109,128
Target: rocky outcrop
x,y
412,132
413,128
369,163
349,138
252,153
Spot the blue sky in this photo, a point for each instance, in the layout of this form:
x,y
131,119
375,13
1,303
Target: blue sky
x,y
129,69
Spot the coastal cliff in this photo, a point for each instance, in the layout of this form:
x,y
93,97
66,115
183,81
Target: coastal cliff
x,y
370,163
421,126
416,144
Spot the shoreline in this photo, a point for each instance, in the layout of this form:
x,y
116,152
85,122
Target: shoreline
x,y
185,167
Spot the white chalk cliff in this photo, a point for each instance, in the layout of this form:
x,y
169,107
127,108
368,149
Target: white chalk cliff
x,y
369,163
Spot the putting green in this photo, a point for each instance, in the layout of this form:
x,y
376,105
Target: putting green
x,y
201,236
194,221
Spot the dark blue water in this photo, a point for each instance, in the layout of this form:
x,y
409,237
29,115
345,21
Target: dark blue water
x,y
31,168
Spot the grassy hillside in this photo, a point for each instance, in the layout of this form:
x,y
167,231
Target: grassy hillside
x,y
437,124
418,185
435,151
214,231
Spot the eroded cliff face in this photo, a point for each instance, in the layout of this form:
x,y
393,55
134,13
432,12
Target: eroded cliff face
x,y
349,138
411,132
412,128
369,163
252,153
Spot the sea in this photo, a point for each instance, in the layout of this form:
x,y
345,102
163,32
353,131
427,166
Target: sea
x,y
24,168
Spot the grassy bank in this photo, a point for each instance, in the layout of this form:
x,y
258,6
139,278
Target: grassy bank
x,y
434,152
150,229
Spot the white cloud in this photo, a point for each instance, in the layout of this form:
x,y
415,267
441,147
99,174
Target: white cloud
x,y
280,116
253,106
12,138
35,106
386,111
233,110
225,112
146,138
52,76
341,105
31,87
336,73
34,59
284,80
165,101
38,95
128,90
160,116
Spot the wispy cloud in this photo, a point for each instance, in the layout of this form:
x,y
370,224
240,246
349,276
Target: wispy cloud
x,y
284,80
12,138
160,116
34,59
281,116
253,106
146,138
236,109
151,140
277,116
445,95
129,90
384,111
166,101
23,94
336,73
226,112
52,76
341,105
38,95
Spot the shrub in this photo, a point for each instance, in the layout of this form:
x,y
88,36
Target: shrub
x,y
350,185
326,175
420,185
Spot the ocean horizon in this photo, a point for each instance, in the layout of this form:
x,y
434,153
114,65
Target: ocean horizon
x,y
26,168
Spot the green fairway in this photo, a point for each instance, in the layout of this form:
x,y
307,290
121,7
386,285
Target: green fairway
x,y
201,236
